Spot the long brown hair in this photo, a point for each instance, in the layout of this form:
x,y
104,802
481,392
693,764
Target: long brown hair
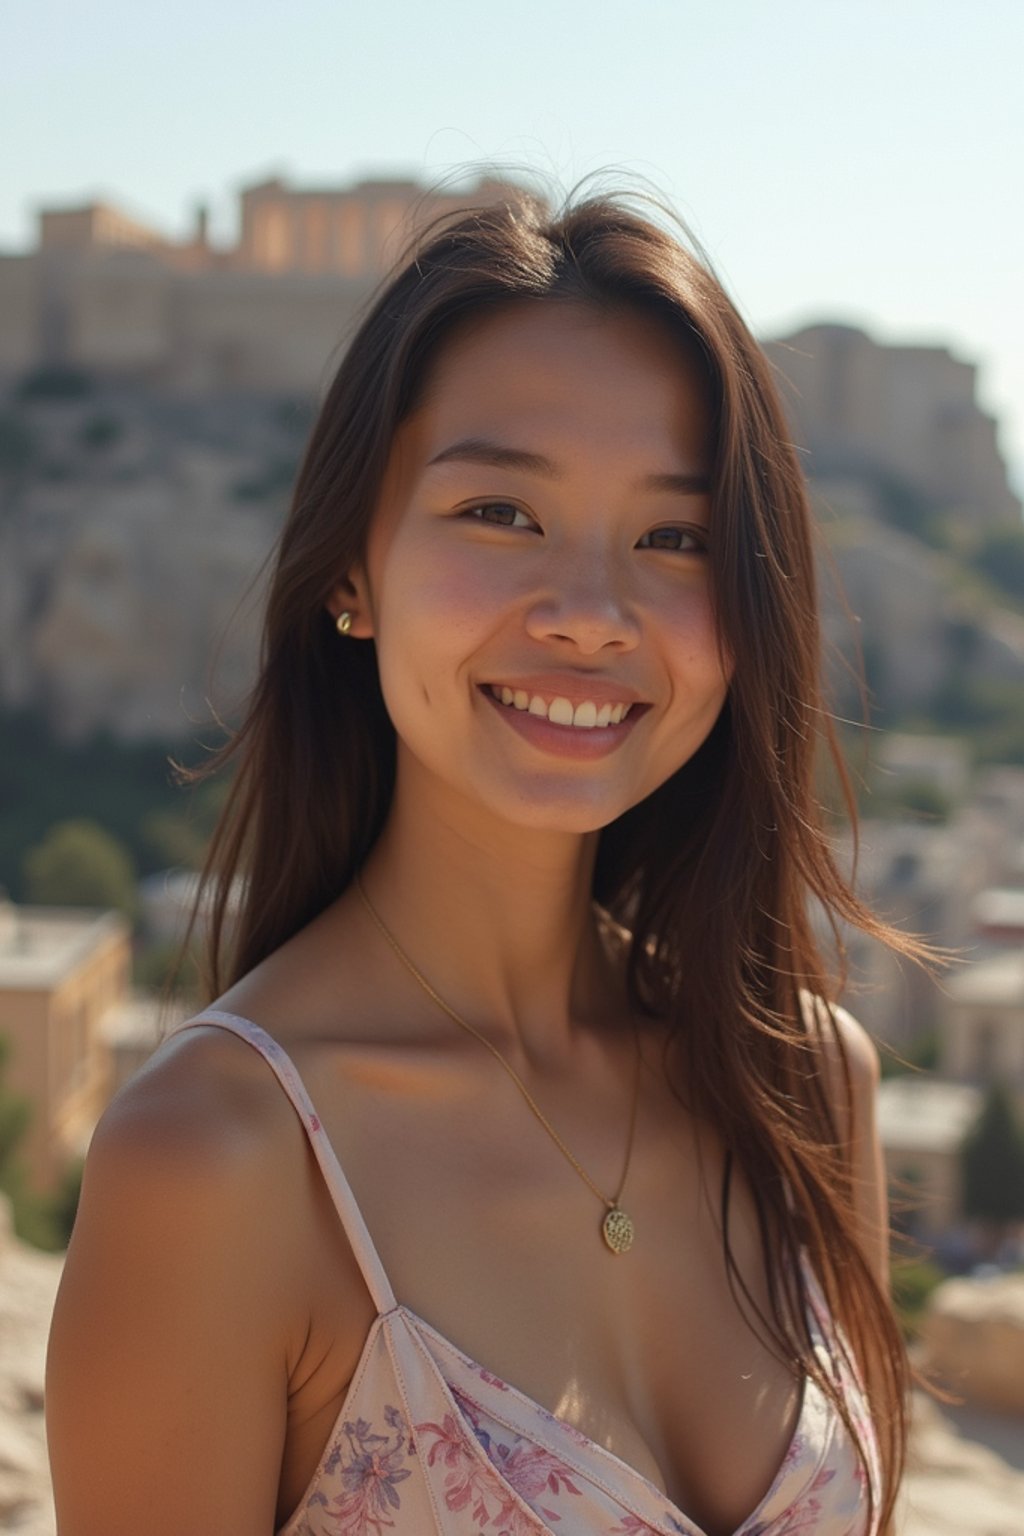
x,y
715,873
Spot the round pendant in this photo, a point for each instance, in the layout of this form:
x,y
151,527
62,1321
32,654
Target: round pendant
x,y
617,1230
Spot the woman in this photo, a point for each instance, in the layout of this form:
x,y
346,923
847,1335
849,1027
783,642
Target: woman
x,y
524,805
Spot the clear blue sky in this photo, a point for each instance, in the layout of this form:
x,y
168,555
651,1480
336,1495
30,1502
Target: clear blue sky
x,y
852,159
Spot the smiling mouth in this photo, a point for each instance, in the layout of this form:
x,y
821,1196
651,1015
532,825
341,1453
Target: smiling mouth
x,y
559,710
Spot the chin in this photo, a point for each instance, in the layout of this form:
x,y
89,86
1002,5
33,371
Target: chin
x,y
564,811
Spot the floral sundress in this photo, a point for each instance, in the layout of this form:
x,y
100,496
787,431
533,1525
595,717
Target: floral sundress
x,y
430,1443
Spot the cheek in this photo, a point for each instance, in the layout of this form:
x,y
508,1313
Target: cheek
x,y
435,611
448,590
689,623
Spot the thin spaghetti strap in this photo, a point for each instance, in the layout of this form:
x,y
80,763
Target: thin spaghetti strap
x,y
341,1191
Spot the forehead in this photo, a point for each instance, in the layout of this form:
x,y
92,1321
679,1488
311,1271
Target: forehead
x,y
617,381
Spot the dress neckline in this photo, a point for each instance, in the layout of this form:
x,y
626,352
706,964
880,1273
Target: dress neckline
x,y
514,1408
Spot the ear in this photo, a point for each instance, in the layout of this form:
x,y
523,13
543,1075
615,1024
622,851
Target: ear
x,y
351,595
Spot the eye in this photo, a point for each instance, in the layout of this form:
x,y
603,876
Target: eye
x,y
687,541
498,514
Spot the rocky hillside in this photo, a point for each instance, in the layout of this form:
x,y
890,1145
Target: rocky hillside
x,y
133,529
131,538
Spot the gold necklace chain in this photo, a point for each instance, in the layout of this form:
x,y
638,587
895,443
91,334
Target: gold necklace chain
x,y
616,1228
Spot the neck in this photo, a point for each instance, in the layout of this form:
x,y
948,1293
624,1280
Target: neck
x,y
499,920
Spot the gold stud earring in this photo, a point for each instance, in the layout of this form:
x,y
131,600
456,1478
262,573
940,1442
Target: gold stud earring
x,y
343,623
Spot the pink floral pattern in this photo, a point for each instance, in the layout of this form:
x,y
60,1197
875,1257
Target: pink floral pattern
x,y
470,1482
491,1462
537,1476
367,1468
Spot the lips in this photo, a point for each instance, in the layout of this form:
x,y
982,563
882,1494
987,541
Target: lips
x,y
577,742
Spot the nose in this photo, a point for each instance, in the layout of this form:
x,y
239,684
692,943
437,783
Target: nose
x,y
585,604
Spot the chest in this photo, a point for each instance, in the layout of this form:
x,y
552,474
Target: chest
x,y
489,1235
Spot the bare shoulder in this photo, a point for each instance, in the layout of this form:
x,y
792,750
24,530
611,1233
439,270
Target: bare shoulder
x,y
847,1052
204,1116
202,1080
845,1046
180,1304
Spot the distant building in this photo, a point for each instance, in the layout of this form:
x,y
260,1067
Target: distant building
x,y
62,973
998,915
958,883
355,232
132,1031
94,226
942,762
997,810
982,1027
906,414
920,878
105,293
922,1124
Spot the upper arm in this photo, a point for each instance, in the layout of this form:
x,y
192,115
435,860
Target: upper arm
x,y
166,1374
858,1128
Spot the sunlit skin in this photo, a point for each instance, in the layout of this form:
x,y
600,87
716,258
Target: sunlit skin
x,y
587,571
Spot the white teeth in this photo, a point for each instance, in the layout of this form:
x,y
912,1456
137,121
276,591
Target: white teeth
x,y
560,711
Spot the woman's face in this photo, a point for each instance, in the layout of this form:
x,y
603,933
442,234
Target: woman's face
x,y
538,556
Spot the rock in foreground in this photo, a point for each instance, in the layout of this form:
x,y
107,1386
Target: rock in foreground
x,y
973,1340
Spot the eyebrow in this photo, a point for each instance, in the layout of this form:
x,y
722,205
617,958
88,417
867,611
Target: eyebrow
x,y
479,450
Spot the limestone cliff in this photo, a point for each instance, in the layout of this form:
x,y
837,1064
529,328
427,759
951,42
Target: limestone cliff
x,y
133,528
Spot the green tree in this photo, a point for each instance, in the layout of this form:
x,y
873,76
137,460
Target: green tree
x,y
15,1114
32,1214
79,864
63,1204
116,783
915,798
913,1281
179,835
992,1162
